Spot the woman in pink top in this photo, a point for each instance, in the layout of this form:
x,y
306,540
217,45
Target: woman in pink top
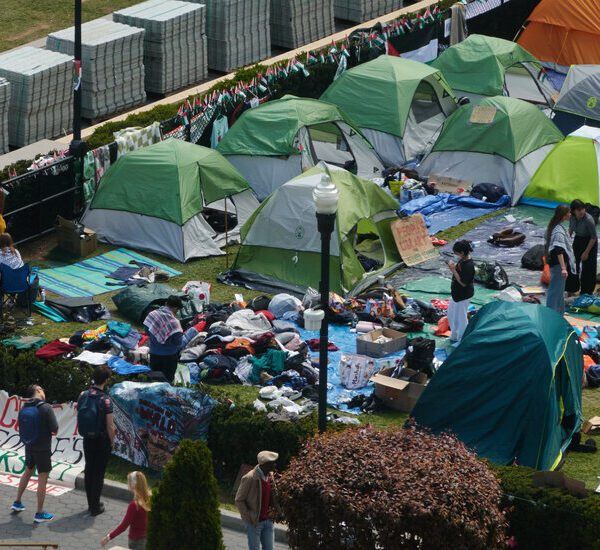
x,y
136,517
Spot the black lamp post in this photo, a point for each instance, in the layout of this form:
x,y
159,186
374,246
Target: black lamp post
x,y
325,196
77,146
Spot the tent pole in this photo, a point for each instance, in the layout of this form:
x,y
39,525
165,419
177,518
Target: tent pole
x,y
226,238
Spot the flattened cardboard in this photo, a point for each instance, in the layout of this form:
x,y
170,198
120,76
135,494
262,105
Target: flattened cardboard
x,y
483,114
412,240
446,184
591,426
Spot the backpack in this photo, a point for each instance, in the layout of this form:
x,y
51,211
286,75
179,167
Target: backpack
x,y
533,258
491,275
489,192
90,415
29,423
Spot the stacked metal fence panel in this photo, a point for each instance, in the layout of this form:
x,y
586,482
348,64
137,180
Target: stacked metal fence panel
x,y
364,10
295,23
238,32
175,48
4,104
41,103
112,65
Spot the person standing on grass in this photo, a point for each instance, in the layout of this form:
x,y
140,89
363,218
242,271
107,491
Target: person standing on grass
x,y
96,425
585,246
254,499
136,517
37,425
461,288
166,337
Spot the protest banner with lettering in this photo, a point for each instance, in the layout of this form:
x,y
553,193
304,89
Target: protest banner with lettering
x,y
67,446
412,240
151,420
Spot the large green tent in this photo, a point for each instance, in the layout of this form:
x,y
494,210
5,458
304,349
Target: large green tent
x,y
398,104
153,199
493,142
569,172
511,390
278,140
281,245
487,66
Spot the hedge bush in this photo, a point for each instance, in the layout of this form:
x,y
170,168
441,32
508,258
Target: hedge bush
x,y
185,506
368,489
541,517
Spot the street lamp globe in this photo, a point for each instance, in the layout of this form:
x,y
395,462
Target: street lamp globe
x,y
326,196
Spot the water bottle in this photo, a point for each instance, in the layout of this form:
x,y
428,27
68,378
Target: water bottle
x,y
43,295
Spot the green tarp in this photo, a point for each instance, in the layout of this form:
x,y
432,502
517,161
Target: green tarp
x,y
511,390
509,134
429,288
172,180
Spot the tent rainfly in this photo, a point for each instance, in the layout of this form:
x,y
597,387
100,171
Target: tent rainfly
x,y
579,101
512,389
281,249
483,66
560,180
493,142
399,105
278,140
154,199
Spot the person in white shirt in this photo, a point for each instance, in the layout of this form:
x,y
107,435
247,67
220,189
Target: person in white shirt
x,y
9,255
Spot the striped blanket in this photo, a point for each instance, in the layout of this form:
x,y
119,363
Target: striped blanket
x,y
89,277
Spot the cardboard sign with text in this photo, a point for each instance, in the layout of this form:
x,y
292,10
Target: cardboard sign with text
x,y
412,240
67,445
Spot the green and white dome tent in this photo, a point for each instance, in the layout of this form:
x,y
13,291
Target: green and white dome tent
x,y
281,247
154,198
398,104
569,172
501,140
278,140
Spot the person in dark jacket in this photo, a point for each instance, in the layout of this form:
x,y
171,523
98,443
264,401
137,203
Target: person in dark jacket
x,y
38,454
585,246
461,288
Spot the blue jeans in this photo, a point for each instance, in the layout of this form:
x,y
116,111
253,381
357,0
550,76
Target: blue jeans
x,y
261,534
555,295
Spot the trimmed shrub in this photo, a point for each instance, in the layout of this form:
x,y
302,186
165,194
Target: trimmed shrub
x,y
235,436
366,489
543,517
185,506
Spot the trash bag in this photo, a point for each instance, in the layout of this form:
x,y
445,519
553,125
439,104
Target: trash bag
x,y
489,192
419,355
491,275
533,259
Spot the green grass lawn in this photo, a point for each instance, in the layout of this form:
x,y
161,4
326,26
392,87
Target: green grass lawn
x,y
23,22
585,467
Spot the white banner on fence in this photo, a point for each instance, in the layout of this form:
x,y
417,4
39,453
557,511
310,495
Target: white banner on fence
x,y
67,445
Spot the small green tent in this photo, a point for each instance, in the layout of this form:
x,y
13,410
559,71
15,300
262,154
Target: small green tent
x,y
153,199
493,142
569,172
278,140
281,246
398,104
511,390
487,66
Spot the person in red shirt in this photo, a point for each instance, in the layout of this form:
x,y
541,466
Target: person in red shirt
x,y
136,517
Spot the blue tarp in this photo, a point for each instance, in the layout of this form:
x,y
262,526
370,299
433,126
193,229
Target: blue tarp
x,y
444,210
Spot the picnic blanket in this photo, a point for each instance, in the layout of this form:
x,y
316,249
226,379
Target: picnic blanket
x,y
90,276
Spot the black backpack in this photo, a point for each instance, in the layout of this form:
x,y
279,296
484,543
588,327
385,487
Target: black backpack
x,y
491,275
490,192
533,258
419,355
91,420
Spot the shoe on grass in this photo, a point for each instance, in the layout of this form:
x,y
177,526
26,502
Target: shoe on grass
x,y
41,517
17,506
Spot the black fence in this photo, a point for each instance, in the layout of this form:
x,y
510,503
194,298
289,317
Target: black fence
x,y
36,198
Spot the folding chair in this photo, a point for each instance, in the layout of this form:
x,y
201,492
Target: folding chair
x,y
14,282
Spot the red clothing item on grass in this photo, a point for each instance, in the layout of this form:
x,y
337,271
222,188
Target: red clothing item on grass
x,y
54,349
136,519
265,500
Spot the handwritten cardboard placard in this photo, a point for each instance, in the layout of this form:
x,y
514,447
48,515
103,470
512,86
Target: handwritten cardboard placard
x,y
482,114
412,240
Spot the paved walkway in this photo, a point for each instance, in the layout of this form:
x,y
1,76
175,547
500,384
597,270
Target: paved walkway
x,y
72,528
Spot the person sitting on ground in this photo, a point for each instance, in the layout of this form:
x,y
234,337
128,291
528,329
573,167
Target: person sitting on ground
x,y
462,289
255,497
136,517
37,423
9,255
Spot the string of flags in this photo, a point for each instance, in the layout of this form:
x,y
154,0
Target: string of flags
x,y
260,85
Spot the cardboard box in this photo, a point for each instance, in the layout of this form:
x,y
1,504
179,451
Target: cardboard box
x,y
591,426
366,345
446,184
400,395
73,239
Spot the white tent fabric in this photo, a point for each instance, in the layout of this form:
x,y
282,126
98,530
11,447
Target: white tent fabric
x,y
587,132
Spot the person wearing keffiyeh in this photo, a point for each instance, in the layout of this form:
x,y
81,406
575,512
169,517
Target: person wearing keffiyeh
x,y
166,337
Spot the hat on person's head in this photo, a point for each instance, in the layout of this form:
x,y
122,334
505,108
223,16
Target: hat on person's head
x,y
266,456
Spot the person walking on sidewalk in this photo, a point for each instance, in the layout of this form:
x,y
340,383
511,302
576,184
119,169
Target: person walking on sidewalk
x,y
37,424
254,498
96,425
136,517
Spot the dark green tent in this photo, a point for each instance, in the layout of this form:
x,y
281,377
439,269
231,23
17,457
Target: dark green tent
x,y
512,389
